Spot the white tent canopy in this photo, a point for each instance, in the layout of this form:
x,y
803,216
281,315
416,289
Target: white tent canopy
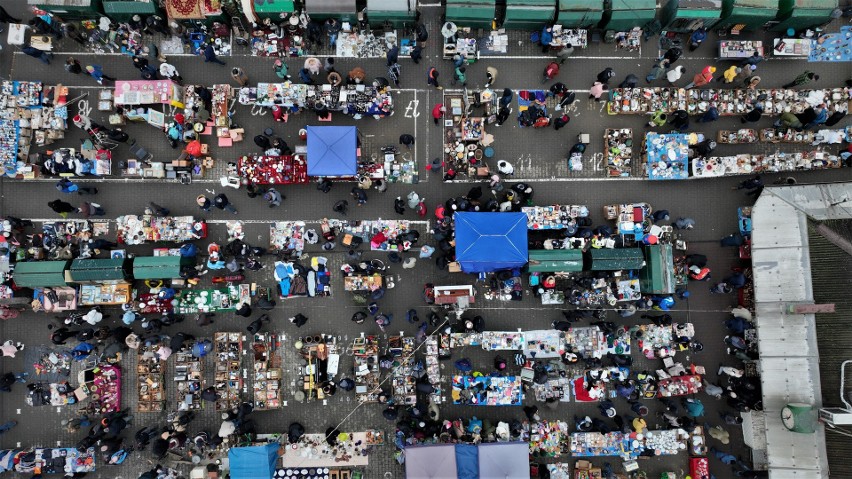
x,y
430,462
499,460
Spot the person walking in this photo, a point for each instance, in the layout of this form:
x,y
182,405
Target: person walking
x,y
254,327
96,72
36,53
203,202
72,65
210,55
712,114
67,186
392,55
88,209
417,54
490,76
702,78
671,56
752,82
62,207
562,55
754,115
394,72
788,120
432,78
221,201
503,115
803,79
273,197
606,75
561,121
754,59
438,112
239,76
407,140
459,76
596,91
656,72
158,210
630,81
674,74
341,207
730,74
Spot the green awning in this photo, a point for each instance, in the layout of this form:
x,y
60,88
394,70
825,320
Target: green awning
x,y
70,9
97,270
123,10
802,14
271,8
612,259
156,267
751,13
579,13
622,16
40,274
555,260
657,276
396,12
467,13
528,14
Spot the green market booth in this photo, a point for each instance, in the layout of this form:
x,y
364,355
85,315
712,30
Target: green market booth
x,y
747,15
273,9
70,9
658,274
158,267
343,10
555,261
684,16
614,259
579,13
622,16
528,14
102,281
471,13
40,274
123,10
398,13
802,14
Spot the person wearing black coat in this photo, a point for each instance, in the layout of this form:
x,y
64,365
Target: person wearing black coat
x,y
754,115
244,310
254,326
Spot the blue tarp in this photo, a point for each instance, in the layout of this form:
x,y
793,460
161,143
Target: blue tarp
x,y
467,461
464,461
255,462
487,242
332,151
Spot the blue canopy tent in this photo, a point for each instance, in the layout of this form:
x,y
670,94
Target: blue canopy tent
x,y
254,462
487,242
505,460
332,151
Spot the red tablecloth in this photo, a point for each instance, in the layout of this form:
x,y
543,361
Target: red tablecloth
x,y
273,170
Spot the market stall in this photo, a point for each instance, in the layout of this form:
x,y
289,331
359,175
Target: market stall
x,y
320,363
189,379
148,92
29,118
102,385
54,299
433,368
149,378
555,261
192,301
297,280
579,13
553,216
596,384
679,386
660,341
362,282
135,230
618,147
614,259
739,49
487,242
487,391
747,15
355,44
159,267
621,16
667,156
478,14
273,170
287,236
657,276
40,274
228,379
737,137
791,47
267,372
549,439
104,294
746,164
366,352
382,235
686,16
332,151
353,100
403,379
55,461
347,453
527,14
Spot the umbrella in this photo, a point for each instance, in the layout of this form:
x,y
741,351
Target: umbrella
x,y
313,64
449,30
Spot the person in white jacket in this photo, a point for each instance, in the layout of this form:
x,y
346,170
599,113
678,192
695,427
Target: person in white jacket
x,y
674,74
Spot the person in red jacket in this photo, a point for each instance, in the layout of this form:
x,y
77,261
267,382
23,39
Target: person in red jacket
x,y
438,112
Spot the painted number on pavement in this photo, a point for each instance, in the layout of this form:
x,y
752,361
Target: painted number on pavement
x,y
83,107
411,109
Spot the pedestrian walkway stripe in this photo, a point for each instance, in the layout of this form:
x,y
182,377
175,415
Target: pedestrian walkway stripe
x,y
426,223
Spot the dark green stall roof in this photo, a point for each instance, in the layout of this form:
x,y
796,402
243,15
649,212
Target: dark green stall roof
x,y
621,16
156,267
467,13
40,274
94,270
612,259
528,14
555,260
752,13
657,276
130,6
271,8
579,13
397,12
801,14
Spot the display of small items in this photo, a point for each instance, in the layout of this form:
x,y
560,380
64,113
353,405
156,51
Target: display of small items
x,y
228,380
267,373
618,144
149,374
188,376
667,156
401,348
741,136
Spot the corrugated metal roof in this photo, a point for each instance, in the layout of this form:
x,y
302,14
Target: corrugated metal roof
x,y
617,258
35,274
156,267
84,270
556,260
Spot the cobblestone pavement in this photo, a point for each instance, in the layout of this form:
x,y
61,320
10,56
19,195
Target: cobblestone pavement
x,y
539,155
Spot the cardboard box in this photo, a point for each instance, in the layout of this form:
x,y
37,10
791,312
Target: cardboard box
x,y
454,267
